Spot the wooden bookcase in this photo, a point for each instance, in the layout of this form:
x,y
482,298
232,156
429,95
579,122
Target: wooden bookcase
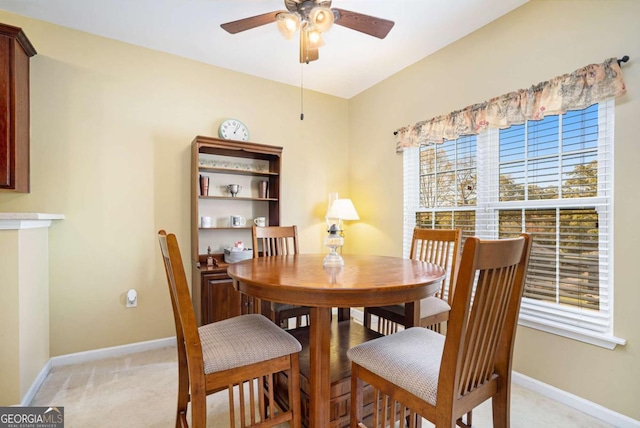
x,y
227,162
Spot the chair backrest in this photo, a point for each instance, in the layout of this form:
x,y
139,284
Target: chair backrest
x,y
439,246
481,327
188,338
275,240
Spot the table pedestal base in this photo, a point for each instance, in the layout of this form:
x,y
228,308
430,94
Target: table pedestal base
x,y
344,334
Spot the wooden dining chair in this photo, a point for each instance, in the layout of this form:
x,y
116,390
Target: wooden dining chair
x,y
244,351
439,246
420,373
279,241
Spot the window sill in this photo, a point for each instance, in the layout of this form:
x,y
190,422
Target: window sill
x,y
598,339
581,335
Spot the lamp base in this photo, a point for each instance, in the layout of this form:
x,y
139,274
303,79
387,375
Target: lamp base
x,y
333,259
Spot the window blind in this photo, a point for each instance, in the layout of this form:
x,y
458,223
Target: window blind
x,y
552,178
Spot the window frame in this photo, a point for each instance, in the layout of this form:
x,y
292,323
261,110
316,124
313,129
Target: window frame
x,y
554,318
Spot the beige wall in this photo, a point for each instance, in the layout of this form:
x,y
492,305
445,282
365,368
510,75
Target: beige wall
x,y
111,129
536,42
24,310
10,317
33,303
112,124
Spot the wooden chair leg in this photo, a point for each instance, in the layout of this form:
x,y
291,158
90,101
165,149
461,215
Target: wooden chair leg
x,y
465,423
262,403
199,409
275,317
241,411
183,395
367,318
356,399
294,392
500,404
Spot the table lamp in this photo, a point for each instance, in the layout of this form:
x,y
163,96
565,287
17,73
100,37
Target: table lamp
x,y
333,241
339,210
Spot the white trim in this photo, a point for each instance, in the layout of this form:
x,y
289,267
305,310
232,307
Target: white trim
x,y
31,216
23,224
35,386
95,354
411,195
609,107
114,351
585,406
17,221
594,327
576,333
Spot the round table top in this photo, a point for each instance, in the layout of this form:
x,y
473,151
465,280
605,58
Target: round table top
x,y
363,281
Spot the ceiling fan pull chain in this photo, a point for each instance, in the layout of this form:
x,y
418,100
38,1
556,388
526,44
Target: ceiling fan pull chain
x,y
301,92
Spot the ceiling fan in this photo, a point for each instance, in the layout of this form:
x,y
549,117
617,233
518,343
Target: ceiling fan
x,y
312,17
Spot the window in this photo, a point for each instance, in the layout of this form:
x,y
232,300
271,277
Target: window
x,y
448,185
551,178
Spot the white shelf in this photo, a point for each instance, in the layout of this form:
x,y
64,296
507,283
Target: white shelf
x,y
9,221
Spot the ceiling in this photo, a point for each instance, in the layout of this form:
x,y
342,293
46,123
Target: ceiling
x,y
349,63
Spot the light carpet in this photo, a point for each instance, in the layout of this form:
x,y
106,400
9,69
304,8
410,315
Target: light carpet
x,y
140,390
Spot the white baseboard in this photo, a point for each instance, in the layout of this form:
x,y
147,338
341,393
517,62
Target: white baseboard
x,y
585,406
114,351
35,386
96,354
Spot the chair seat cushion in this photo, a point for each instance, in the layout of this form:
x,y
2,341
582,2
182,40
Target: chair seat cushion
x,y
409,359
428,307
243,340
432,306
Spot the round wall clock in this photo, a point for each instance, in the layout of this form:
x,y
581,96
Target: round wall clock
x,y
233,129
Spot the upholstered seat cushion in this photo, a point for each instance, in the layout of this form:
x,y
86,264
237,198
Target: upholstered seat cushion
x,y
428,306
243,340
409,359
433,305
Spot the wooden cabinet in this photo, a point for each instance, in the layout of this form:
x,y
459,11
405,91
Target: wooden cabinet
x,y
213,295
15,51
225,162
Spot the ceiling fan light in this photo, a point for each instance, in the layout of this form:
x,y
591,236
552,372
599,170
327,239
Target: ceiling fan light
x,y
322,18
314,38
288,24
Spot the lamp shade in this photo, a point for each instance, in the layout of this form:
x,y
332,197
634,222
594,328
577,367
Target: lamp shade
x,y
343,209
288,23
321,18
313,37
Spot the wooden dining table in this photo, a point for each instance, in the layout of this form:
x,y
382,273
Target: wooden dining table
x,y
363,281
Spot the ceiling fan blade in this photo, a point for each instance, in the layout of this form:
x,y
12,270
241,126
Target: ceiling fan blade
x,y
376,27
307,54
244,24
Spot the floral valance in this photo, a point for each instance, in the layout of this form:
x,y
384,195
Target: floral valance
x,y
578,90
